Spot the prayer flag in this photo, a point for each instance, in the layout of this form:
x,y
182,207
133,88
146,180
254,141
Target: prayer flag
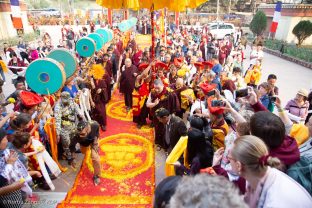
x,y
16,14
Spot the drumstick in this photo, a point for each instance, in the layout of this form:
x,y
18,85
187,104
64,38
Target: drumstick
x,y
40,115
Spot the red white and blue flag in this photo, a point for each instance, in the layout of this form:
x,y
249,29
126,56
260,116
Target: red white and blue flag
x,y
16,14
276,17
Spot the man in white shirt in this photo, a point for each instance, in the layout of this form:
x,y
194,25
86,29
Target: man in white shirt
x,y
253,55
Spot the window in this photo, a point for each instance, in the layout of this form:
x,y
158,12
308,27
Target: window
x,y
228,26
213,27
222,27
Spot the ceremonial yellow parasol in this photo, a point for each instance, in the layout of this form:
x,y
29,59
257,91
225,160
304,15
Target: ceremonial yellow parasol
x,y
172,5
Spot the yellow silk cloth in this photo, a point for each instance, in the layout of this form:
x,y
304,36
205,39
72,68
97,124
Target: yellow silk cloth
x,y
172,5
179,149
3,66
137,102
125,39
219,136
185,94
253,76
300,133
50,130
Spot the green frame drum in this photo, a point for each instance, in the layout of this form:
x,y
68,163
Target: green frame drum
x,y
123,26
45,76
65,58
99,42
133,21
104,33
85,47
111,34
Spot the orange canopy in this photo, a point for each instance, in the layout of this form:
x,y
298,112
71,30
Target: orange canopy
x,y
172,5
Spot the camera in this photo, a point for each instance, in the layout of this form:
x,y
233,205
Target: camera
x,y
272,99
241,93
211,93
218,103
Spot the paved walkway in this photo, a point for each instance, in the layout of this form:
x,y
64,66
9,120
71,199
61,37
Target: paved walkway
x,y
290,76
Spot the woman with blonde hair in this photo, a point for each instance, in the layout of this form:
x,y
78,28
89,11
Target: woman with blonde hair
x,y
266,186
199,56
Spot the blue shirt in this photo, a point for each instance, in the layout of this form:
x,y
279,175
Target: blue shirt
x,y
265,101
73,92
217,69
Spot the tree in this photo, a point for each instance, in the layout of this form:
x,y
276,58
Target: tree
x,y
258,23
302,30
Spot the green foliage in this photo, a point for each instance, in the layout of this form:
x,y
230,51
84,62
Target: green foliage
x,y
13,41
39,4
258,23
302,30
302,53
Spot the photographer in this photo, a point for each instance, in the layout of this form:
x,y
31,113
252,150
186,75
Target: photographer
x,y
87,136
218,125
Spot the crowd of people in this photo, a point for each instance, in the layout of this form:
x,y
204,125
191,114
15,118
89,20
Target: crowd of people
x,y
196,94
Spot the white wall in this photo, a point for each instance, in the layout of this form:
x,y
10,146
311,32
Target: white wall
x,y
7,30
285,27
6,25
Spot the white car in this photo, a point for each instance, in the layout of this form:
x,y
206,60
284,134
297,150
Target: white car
x,y
221,29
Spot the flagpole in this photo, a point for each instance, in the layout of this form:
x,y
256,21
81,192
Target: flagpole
x,y
152,31
218,2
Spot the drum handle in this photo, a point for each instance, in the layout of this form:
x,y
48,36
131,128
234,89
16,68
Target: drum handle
x,y
45,108
40,115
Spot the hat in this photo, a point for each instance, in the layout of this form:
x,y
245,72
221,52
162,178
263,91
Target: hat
x,y
214,110
162,112
178,60
199,65
65,96
207,87
143,66
161,65
208,63
3,133
30,99
303,92
81,125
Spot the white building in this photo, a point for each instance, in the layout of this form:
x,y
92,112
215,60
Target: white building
x,y
291,14
6,25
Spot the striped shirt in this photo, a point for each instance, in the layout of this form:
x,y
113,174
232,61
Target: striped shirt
x,y
12,199
306,149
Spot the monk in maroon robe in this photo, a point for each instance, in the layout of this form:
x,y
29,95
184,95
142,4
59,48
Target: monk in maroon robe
x,y
179,87
108,66
161,97
127,82
119,44
99,92
132,44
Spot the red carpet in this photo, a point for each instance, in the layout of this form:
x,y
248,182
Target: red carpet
x,y
127,161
